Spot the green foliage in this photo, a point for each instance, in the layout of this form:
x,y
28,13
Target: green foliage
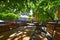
x,y
30,19
9,16
46,9
20,5
43,6
44,17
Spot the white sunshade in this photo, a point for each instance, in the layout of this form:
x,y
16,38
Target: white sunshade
x,y
24,16
1,21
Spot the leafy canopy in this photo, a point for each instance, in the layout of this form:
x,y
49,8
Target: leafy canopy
x,y
42,6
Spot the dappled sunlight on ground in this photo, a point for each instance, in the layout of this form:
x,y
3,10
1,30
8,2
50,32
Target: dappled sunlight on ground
x,y
20,35
26,38
1,36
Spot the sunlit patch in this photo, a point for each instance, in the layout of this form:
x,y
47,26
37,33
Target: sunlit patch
x,y
25,27
58,33
59,22
9,39
19,37
26,38
29,26
40,36
1,36
19,33
12,35
44,39
25,32
23,35
16,38
54,32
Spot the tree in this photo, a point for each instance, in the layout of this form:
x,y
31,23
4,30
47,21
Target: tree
x,y
46,8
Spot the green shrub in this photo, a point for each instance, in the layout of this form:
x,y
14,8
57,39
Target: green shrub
x,y
9,16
